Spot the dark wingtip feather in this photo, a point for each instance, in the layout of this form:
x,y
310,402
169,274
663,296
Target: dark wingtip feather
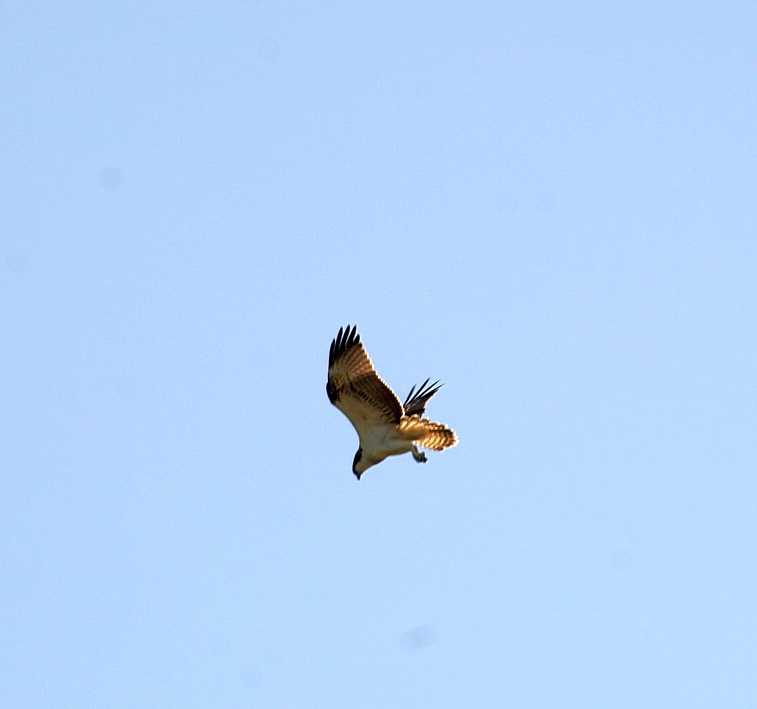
x,y
412,392
346,338
415,403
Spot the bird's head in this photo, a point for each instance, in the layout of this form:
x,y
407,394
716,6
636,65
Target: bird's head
x,y
357,467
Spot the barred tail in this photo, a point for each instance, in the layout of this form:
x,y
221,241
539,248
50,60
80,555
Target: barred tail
x,y
426,433
439,438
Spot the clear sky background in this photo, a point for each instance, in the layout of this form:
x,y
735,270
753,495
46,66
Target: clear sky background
x,y
550,206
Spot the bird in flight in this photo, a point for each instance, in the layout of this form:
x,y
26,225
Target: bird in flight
x,y
385,427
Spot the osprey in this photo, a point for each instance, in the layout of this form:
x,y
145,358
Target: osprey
x,y
385,427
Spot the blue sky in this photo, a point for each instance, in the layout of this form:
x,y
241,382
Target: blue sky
x,y
548,206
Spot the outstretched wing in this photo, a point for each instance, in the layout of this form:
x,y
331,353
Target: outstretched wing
x,y
416,402
355,388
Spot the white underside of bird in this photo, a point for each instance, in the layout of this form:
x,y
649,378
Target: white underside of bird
x,y
379,442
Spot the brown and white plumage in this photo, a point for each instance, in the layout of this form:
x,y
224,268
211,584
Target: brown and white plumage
x,y
384,426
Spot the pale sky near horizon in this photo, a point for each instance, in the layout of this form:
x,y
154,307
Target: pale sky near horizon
x,y
551,207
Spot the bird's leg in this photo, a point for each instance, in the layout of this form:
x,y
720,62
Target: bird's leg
x,y
419,456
